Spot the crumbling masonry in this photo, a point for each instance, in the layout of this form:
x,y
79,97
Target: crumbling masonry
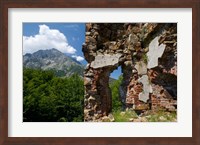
x,y
147,53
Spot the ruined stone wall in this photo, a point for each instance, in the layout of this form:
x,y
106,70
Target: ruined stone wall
x,y
164,76
147,54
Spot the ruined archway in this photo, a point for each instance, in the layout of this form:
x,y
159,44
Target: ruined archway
x,y
108,46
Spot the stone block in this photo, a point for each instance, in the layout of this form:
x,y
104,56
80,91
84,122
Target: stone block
x,y
87,81
141,67
105,60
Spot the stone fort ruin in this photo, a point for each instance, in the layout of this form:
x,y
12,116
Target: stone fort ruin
x,y
147,54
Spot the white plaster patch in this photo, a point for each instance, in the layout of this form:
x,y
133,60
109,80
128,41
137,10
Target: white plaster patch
x,y
144,96
141,68
155,51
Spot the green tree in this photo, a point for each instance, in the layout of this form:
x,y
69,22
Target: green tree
x,y
116,102
47,98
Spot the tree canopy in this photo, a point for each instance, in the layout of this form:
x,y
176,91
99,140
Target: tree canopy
x,y
47,98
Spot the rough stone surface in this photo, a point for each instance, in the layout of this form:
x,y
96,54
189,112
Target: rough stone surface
x,y
105,60
141,67
147,54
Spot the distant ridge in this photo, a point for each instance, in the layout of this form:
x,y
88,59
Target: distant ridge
x,y
52,59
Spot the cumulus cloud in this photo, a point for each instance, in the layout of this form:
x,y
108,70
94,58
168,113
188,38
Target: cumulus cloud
x,y
46,39
78,58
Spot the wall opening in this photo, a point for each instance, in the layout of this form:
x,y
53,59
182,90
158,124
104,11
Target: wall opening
x,y
115,82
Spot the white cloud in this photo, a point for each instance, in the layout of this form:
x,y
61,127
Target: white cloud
x,y
78,58
47,39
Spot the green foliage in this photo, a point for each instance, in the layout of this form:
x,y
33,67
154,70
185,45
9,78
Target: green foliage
x,y
161,116
116,102
60,73
68,70
148,116
124,116
47,98
145,58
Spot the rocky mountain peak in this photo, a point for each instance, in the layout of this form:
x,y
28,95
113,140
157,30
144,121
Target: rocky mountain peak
x,y
49,53
53,59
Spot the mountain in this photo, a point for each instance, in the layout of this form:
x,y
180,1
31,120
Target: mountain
x,y
112,80
52,59
73,59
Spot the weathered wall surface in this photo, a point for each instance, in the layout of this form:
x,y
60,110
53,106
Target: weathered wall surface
x,y
147,54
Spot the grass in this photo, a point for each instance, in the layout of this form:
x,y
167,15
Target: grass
x,y
161,116
124,116
148,116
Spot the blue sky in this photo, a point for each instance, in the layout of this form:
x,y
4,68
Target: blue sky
x,y
69,37
73,32
116,73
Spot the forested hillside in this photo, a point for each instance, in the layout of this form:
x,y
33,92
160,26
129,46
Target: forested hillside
x,y
48,98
